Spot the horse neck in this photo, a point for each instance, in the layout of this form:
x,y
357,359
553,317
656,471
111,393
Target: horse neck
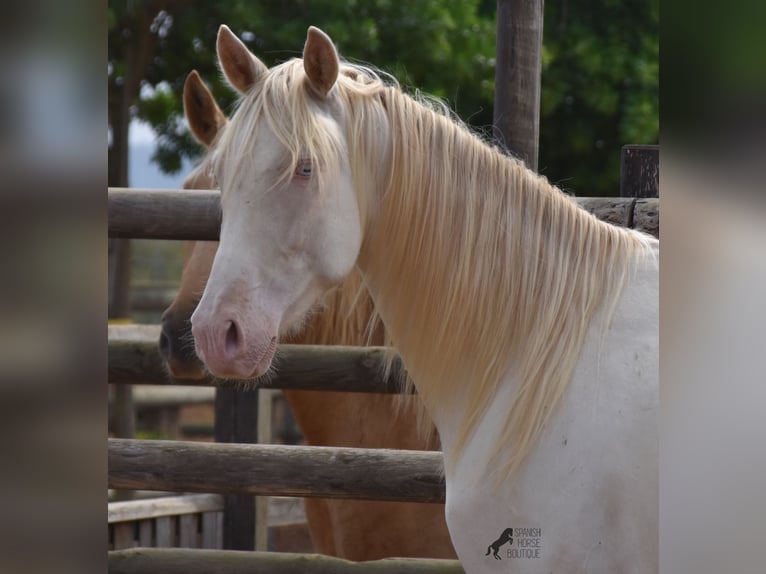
x,y
479,267
428,233
347,318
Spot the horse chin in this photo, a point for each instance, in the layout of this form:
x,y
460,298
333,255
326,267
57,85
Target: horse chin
x,y
250,365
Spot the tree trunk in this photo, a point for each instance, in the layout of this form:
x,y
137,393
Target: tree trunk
x,y
119,249
517,77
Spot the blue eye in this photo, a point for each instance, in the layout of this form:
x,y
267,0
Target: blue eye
x,y
303,169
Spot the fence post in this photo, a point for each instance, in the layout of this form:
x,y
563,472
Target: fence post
x,y
517,77
236,420
264,437
640,171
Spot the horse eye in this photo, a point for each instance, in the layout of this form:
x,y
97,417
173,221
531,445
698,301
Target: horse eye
x,y
303,169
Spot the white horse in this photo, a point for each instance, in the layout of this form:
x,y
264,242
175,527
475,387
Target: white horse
x,y
529,327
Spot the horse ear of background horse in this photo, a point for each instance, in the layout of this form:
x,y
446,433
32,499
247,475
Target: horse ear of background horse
x,y
355,530
204,116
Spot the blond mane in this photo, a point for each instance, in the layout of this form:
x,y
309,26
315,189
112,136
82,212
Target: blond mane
x,y
477,264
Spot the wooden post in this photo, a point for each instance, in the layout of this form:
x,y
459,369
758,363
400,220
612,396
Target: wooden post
x,y
518,64
640,171
123,423
236,414
264,437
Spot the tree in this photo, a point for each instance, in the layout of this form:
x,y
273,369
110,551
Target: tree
x,y
600,89
599,83
442,47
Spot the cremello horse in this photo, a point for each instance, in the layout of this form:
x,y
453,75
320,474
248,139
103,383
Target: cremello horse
x,y
529,327
356,530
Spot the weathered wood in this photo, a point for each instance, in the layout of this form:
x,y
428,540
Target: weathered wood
x,y
123,422
327,472
187,531
517,77
264,437
131,212
163,506
212,530
179,561
135,359
236,421
640,171
124,536
122,411
646,216
145,528
166,396
166,531
614,210
164,214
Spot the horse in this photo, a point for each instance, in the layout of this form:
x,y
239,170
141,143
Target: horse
x,y
528,326
355,530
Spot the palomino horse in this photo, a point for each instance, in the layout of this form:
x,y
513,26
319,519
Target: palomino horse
x,y
356,530
530,328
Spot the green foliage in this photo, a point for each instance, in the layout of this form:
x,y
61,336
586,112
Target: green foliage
x,y
600,89
600,66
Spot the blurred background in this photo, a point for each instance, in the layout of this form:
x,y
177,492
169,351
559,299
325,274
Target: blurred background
x,y
600,68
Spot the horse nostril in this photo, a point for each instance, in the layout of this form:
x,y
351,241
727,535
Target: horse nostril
x,y
232,338
164,345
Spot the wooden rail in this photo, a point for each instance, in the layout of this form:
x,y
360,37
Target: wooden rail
x,y
131,510
257,469
196,214
640,171
164,213
134,358
190,521
183,561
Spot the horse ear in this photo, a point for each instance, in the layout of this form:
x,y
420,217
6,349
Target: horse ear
x,y
320,61
240,67
202,112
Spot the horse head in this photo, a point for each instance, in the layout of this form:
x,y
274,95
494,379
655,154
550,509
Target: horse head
x,y
291,222
176,343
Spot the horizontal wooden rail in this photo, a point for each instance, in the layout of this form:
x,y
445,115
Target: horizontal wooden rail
x,y
164,213
134,358
130,510
276,470
186,561
196,214
171,396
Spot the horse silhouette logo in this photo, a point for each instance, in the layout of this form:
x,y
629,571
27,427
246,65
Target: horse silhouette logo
x,y
506,536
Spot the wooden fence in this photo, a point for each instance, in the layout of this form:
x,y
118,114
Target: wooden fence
x,y
258,469
189,521
181,561
196,215
269,469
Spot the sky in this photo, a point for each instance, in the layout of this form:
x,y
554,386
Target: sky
x,y
142,172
